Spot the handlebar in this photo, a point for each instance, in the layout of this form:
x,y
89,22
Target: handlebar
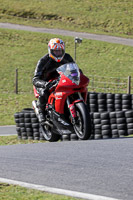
x,y
54,83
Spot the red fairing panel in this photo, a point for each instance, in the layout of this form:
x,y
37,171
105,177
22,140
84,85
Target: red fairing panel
x,y
64,89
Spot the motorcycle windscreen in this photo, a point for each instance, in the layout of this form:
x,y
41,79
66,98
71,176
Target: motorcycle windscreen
x,y
71,71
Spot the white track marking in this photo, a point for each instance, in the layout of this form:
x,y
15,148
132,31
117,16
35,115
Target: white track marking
x,y
56,190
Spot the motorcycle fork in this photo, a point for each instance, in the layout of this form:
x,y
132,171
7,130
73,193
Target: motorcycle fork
x,y
71,107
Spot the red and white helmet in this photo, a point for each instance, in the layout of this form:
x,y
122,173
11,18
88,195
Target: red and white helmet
x,y
56,49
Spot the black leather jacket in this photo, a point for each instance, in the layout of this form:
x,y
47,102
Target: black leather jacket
x,y
46,69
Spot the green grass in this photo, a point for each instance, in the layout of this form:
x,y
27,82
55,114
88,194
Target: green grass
x,y
13,192
12,103
11,140
22,50
112,17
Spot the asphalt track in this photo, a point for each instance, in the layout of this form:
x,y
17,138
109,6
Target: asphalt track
x,y
8,130
94,167
105,38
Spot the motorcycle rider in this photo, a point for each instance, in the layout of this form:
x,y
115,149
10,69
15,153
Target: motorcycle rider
x,y
46,70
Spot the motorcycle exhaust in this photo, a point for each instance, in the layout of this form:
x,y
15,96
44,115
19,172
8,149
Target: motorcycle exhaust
x,y
34,104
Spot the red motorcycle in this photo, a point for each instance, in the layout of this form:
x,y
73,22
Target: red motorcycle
x,y
66,109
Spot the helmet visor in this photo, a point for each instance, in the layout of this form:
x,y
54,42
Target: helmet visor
x,y
57,52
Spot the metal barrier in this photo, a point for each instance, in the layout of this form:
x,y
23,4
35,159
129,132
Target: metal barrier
x,y
110,84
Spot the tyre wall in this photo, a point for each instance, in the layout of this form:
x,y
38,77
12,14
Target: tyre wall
x,y
27,125
111,117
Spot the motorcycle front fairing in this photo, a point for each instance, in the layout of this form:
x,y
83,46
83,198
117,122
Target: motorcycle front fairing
x,y
71,81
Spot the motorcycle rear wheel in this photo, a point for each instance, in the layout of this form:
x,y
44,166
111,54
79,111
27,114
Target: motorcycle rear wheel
x,y
48,134
82,125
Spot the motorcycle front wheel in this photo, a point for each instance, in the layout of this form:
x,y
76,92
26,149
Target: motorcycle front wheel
x,y
82,126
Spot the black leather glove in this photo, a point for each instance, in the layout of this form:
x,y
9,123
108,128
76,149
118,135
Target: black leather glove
x,y
49,85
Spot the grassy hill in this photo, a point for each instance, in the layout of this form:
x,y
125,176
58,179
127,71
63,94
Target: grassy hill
x,y
22,50
112,17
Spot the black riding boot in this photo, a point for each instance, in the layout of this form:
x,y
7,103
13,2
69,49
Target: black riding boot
x,y
41,103
41,116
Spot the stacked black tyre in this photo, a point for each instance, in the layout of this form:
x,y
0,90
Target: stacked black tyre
x,y
92,102
113,124
102,105
126,102
27,125
102,102
118,102
105,125
17,121
96,121
92,126
129,121
121,123
132,101
110,102
21,126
